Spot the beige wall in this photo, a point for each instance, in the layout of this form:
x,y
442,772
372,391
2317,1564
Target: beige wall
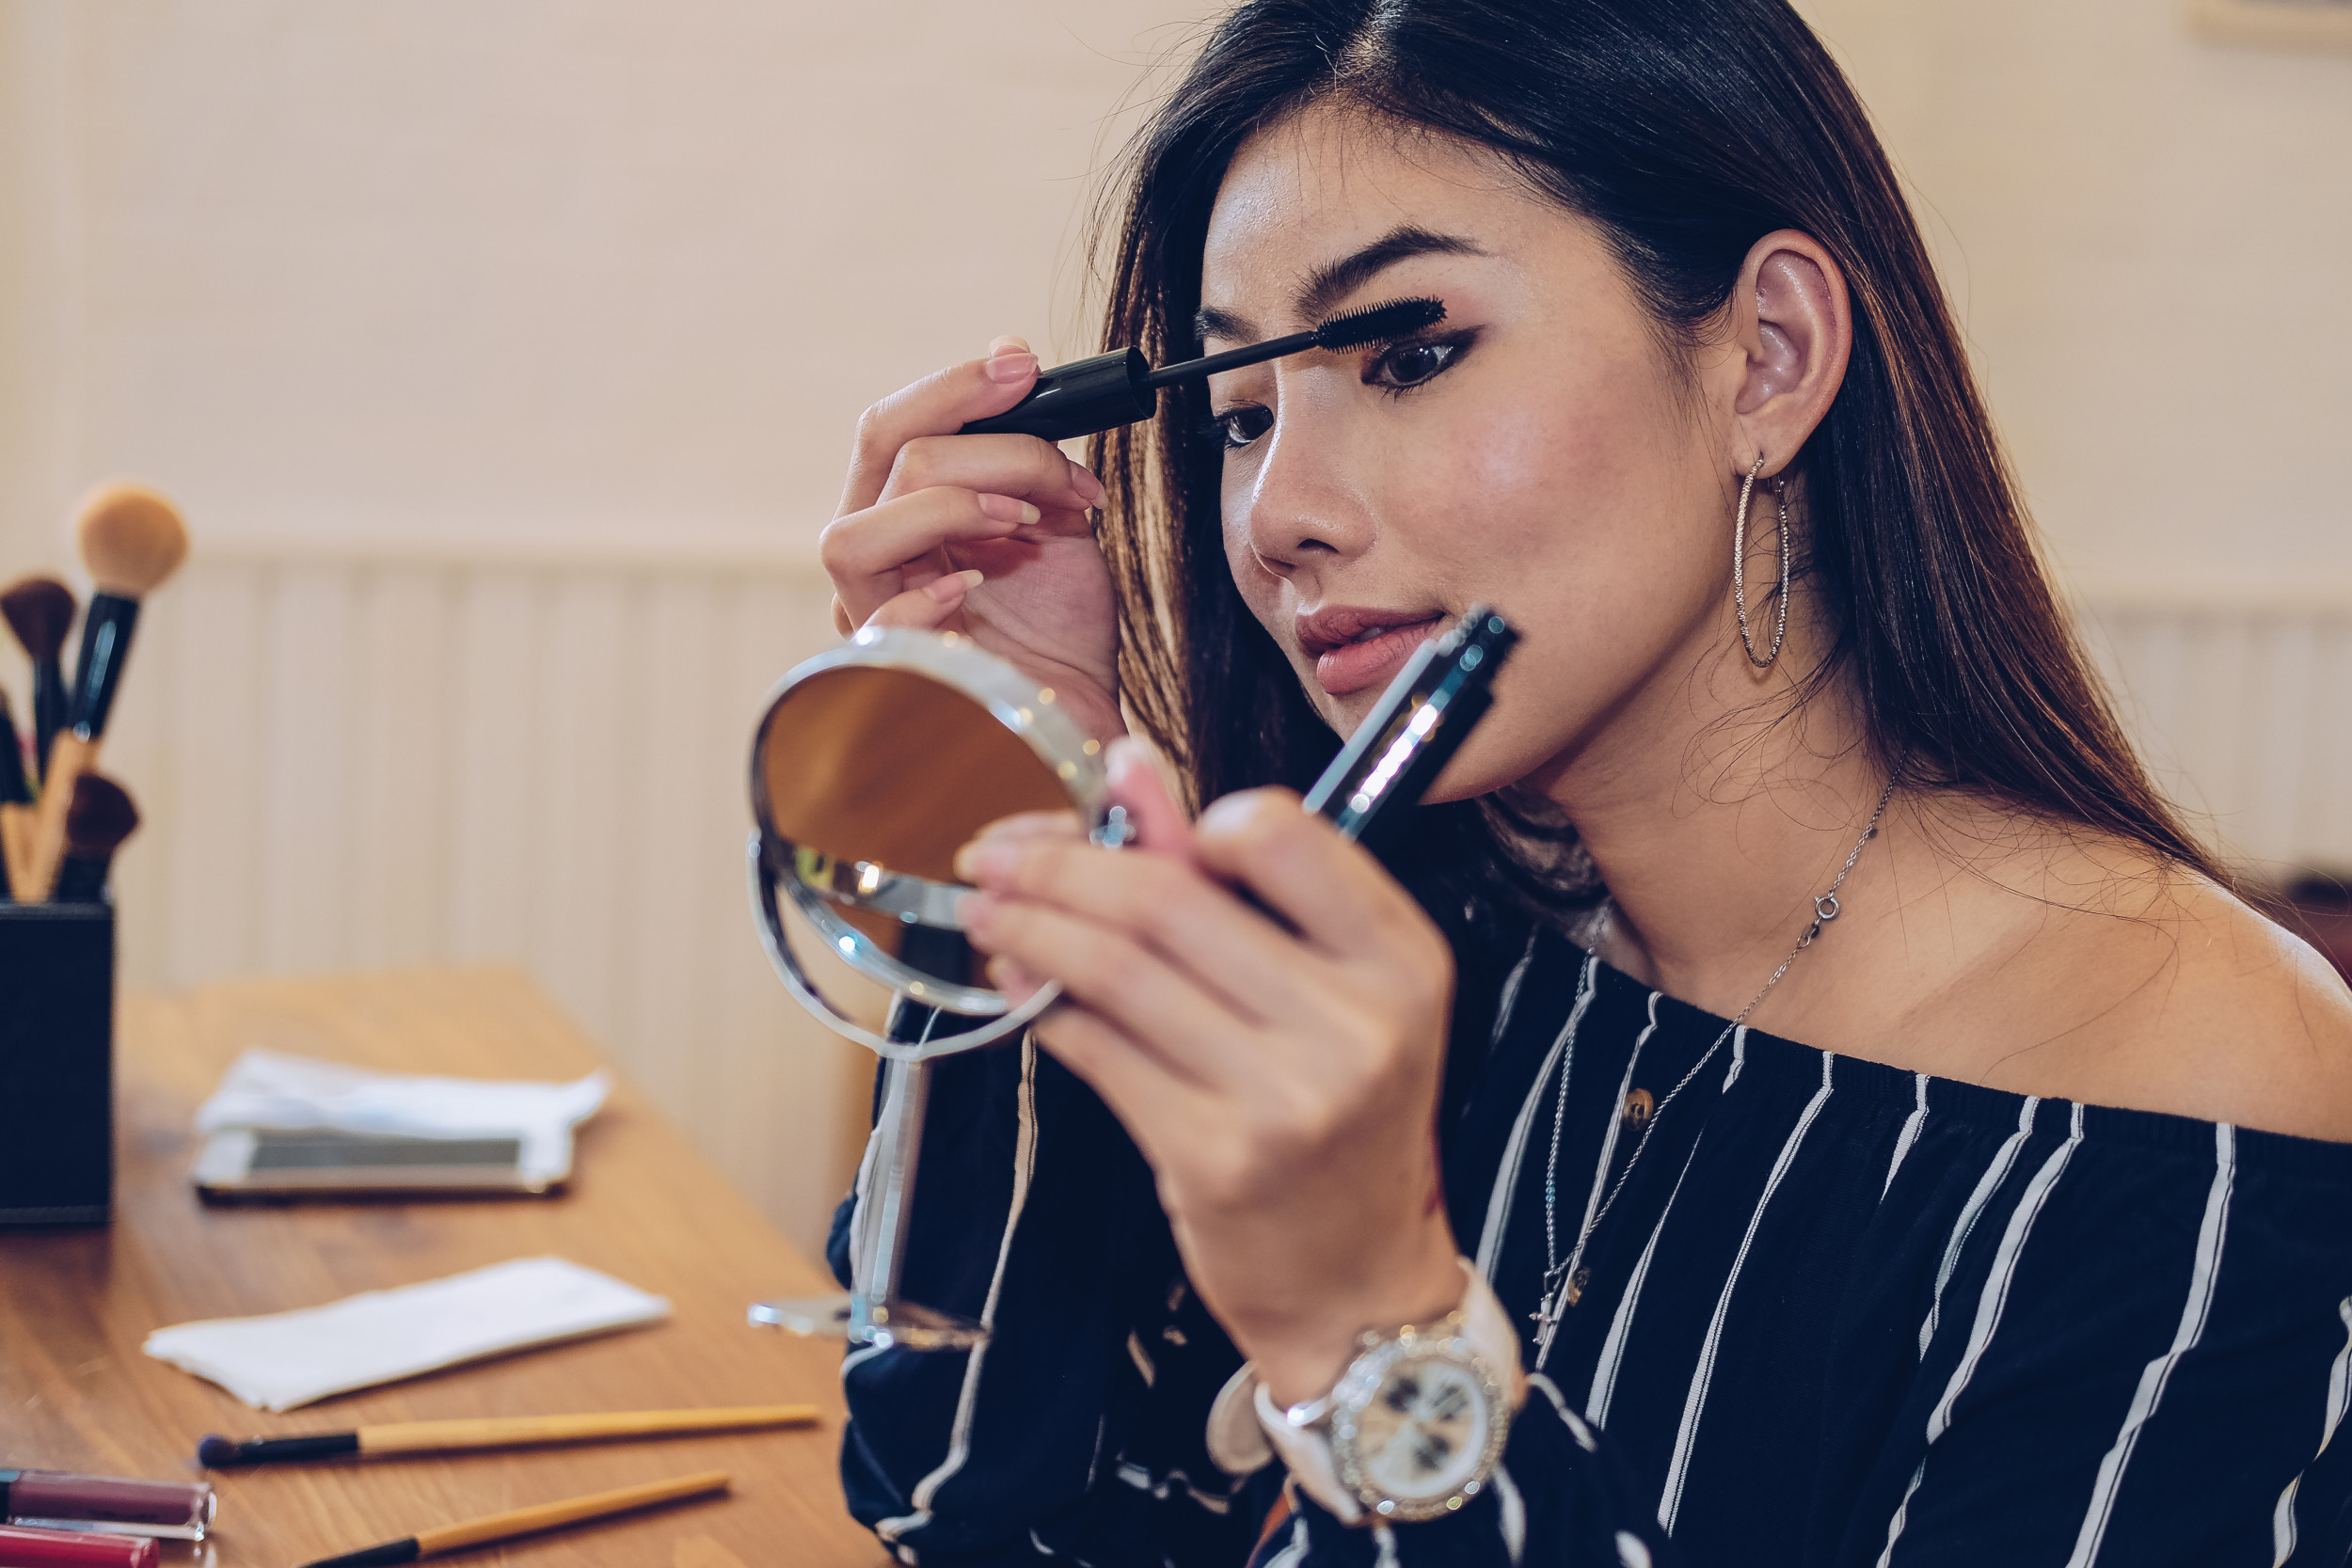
x,y
442,296
2150,239
574,266
537,268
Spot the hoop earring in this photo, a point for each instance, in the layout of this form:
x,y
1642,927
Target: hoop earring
x,y
1740,570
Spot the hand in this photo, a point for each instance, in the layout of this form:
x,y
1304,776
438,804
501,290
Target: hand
x,y
1280,1072
986,535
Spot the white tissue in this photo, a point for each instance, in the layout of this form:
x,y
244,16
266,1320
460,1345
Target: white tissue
x,y
288,1359
265,1089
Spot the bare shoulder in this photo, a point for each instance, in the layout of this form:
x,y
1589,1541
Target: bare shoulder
x,y
2157,989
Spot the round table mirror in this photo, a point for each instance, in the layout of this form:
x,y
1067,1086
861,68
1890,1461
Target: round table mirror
x,y
871,766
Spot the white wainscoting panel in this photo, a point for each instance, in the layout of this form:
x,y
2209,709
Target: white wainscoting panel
x,y
384,759
2242,707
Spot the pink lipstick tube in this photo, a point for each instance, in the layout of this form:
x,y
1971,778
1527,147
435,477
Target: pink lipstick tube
x,y
58,1548
54,1500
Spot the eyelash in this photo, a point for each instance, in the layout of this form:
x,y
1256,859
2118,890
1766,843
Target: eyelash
x,y
1220,427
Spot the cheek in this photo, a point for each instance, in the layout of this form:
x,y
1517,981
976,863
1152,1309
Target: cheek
x,y
1579,471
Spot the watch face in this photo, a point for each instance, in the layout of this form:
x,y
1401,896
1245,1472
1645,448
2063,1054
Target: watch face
x,y
1421,1435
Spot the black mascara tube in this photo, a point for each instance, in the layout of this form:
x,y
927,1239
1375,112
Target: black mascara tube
x,y
1420,721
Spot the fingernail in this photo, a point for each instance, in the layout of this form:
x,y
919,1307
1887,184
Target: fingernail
x,y
1121,757
1007,344
1004,509
1088,487
1011,367
954,586
982,861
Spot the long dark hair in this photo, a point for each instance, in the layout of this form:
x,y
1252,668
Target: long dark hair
x,y
1685,131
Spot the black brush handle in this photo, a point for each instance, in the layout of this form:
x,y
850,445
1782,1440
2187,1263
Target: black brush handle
x,y
266,1451
106,628
15,788
405,1550
1081,398
52,708
82,879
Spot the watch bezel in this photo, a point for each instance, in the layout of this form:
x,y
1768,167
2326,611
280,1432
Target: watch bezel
x,y
1361,1383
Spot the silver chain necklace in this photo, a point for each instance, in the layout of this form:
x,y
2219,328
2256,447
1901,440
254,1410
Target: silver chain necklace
x,y
1563,1280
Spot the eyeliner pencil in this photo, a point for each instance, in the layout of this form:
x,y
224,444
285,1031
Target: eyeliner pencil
x,y
526,1521
497,1432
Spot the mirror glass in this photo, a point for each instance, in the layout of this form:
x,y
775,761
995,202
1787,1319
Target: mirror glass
x,y
872,766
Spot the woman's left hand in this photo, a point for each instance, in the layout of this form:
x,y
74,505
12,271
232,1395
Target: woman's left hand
x,y
1281,1081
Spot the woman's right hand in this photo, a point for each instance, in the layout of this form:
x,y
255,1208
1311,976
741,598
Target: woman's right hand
x,y
925,509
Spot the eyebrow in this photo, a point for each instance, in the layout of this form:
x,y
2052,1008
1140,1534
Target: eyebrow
x,y
1333,282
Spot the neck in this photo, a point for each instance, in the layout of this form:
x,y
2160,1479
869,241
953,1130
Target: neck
x,y
1714,826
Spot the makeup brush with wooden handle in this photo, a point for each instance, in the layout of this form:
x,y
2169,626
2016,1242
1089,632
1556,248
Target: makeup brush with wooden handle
x,y
132,538
497,1432
100,818
41,612
527,1521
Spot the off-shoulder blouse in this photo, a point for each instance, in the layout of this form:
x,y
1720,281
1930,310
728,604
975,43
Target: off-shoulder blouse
x,y
1830,1314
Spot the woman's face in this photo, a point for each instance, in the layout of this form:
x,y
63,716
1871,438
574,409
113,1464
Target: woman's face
x,y
1538,449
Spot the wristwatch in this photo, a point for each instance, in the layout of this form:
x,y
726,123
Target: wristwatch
x,y
1416,1424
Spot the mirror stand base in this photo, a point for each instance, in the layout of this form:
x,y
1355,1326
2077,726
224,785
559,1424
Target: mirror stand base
x,y
903,1324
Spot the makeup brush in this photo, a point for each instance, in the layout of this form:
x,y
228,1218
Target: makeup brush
x,y
1120,388
41,612
16,789
497,1432
16,795
100,818
132,538
525,1521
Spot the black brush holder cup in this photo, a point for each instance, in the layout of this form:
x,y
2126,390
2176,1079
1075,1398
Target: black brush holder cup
x,y
56,1065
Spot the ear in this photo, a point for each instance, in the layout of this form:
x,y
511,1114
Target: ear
x,y
1792,320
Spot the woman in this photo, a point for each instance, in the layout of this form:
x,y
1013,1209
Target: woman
x,y
2020,1238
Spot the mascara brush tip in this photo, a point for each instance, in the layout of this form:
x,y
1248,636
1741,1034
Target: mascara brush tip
x,y
1379,324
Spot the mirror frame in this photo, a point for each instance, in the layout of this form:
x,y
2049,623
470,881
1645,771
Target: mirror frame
x,y
1013,701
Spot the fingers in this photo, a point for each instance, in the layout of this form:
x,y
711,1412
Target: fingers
x,y
1111,975
1124,909
927,606
1333,893
868,554
1027,467
938,404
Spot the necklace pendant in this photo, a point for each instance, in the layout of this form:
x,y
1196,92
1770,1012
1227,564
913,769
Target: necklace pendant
x,y
1546,1326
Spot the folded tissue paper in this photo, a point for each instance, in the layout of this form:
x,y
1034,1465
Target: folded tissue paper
x,y
264,1090
288,1359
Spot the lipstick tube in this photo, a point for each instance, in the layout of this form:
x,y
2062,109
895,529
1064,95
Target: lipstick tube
x,y
56,1500
59,1549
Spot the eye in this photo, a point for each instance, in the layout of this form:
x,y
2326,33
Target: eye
x,y
1407,365
1238,427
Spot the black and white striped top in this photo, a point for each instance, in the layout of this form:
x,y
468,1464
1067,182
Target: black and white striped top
x,y
1836,1315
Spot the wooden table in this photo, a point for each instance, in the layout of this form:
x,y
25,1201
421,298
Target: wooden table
x,y
76,1392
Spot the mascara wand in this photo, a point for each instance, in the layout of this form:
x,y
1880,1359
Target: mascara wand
x,y
1087,396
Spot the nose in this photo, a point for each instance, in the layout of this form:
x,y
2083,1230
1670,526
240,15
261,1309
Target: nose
x,y
1306,507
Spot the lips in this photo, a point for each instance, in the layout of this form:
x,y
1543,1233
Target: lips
x,y
1354,647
